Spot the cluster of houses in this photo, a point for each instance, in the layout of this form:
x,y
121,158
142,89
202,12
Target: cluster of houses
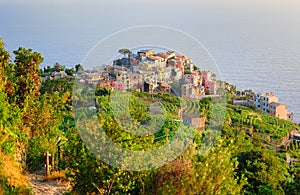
x,y
147,71
268,103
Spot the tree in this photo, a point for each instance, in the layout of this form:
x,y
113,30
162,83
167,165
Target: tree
x,y
12,181
78,67
125,51
58,67
92,176
46,129
61,85
212,173
70,71
4,62
48,69
4,108
264,171
207,92
26,83
27,80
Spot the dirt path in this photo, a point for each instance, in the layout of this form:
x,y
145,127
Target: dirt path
x,y
41,187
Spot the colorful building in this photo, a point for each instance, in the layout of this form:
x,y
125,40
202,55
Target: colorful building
x,y
268,103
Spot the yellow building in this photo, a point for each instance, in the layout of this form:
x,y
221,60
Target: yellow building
x,y
278,110
268,103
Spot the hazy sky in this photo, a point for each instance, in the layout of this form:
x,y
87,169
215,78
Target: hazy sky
x,y
65,30
44,23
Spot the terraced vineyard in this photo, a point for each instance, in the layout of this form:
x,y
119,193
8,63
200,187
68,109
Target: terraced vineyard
x,y
132,114
190,106
125,106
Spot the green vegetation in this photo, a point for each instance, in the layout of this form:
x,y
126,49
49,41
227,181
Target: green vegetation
x,y
125,51
247,158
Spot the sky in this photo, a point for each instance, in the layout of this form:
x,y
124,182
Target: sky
x,y
66,24
65,30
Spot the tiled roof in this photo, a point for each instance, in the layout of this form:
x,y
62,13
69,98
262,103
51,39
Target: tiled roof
x,y
193,115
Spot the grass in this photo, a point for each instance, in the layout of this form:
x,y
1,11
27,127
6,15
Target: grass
x,y
11,174
12,171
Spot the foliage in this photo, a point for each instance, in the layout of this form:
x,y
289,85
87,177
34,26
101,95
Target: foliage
x,y
70,71
61,85
47,128
263,170
34,115
58,67
90,174
78,67
26,79
212,173
12,180
125,51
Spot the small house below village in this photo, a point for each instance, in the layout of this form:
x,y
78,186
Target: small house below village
x,y
196,120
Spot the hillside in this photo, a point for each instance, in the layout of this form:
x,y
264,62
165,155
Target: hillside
x,y
248,154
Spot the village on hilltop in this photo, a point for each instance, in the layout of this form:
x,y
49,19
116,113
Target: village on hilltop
x,y
147,71
169,72
150,72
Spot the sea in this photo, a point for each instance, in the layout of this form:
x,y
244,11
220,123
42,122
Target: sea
x,y
256,45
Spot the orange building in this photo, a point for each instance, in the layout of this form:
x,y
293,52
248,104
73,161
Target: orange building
x,y
278,110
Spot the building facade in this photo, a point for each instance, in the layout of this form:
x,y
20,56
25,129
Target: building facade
x,y
268,103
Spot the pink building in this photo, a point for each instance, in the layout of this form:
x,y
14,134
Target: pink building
x,y
180,66
180,57
117,86
210,86
206,75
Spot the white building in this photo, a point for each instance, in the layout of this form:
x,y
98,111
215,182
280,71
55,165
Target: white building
x,y
262,101
268,103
